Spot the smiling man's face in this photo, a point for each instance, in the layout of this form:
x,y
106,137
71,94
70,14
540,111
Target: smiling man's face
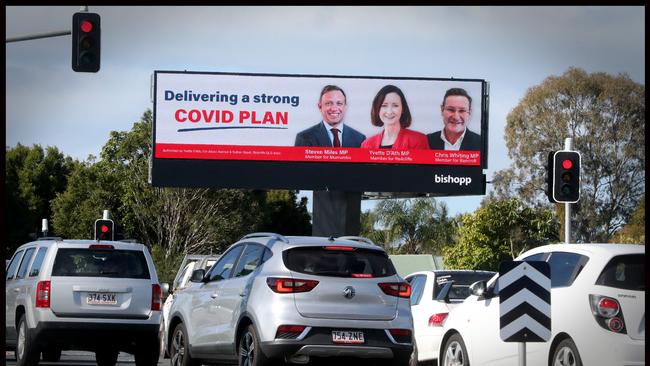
x,y
332,107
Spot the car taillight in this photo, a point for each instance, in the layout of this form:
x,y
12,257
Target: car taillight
x,y
101,246
289,331
399,289
401,335
608,313
436,320
156,297
290,285
43,294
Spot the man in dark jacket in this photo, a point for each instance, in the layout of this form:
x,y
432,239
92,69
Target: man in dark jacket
x,y
456,110
331,131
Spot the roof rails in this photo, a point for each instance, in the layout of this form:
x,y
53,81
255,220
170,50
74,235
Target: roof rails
x,y
56,238
264,235
360,239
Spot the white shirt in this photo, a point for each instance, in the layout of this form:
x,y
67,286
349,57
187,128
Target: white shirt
x,y
449,145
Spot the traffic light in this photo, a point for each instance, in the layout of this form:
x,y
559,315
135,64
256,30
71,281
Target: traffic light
x,y
564,176
104,229
86,41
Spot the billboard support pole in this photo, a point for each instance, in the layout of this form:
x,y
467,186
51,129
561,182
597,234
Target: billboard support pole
x,y
336,213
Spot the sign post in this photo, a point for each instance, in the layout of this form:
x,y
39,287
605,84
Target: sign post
x,y
524,303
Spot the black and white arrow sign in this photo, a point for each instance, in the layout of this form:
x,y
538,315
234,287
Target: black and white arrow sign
x,y
525,301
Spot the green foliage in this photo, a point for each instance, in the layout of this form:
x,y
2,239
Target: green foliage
x,y
170,221
412,226
33,177
634,231
166,267
499,230
605,117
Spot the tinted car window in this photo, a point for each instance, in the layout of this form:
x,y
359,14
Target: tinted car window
x,y
14,264
22,270
565,267
624,272
417,288
462,280
90,262
224,266
38,262
339,263
250,259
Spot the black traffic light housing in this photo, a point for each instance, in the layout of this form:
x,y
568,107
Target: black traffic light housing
x,y
564,176
86,42
104,229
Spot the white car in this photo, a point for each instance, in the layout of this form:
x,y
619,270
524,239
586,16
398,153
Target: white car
x,y
597,312
190,263
430,312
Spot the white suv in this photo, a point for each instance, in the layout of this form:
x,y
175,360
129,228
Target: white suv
x,y
293,298
98,296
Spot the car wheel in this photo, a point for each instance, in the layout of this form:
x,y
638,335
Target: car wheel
x,y
455,352
250,352
51,355
148,352
106,357
26,352
566,354
180,353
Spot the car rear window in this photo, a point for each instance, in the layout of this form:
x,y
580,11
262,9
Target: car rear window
x,y
624,272
321,261
462,281
85,262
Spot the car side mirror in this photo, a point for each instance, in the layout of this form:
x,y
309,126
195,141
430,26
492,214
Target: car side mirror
x,y
197,275
165,288
478,288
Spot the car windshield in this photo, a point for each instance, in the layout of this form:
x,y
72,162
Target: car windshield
x,y
625,272
324,261
87,262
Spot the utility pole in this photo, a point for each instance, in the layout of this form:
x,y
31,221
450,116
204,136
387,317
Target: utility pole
x,y
42,35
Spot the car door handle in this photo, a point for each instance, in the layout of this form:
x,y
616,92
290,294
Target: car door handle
x,y
214,295
16,290
243,293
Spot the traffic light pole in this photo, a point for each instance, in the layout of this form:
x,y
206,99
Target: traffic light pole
x,y
568,145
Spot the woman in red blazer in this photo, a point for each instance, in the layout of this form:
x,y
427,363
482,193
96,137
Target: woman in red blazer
x,y
390,110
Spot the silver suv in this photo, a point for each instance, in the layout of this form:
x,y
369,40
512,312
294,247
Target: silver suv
x,y
98,296
292,298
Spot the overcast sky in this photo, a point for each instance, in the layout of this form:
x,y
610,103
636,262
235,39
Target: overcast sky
x,y
513,48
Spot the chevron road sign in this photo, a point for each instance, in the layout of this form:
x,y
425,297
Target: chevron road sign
x,y
525,301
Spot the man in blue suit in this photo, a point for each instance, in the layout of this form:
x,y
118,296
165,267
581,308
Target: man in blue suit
x,y
331,131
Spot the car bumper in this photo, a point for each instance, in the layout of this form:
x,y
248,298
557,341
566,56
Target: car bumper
x,y
91,336
317,342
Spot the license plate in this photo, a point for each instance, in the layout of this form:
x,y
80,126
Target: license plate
x,y
101,298
344,336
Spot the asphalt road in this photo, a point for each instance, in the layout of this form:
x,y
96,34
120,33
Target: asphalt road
x,y
79,358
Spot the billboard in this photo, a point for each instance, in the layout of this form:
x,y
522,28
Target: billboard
x,y
216,128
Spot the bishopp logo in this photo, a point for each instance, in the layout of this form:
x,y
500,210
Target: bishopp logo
x,y
449,179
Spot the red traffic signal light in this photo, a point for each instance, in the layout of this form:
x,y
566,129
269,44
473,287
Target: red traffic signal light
x,y
564,176
104,229
86,40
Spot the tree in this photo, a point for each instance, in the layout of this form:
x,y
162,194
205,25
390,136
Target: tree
x,y
634,231
605,117
171,221
500,230
420,225
33,177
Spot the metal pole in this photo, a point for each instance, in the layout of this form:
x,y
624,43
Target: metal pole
x,y
44,227
37,36
522,354
106,215
568,145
